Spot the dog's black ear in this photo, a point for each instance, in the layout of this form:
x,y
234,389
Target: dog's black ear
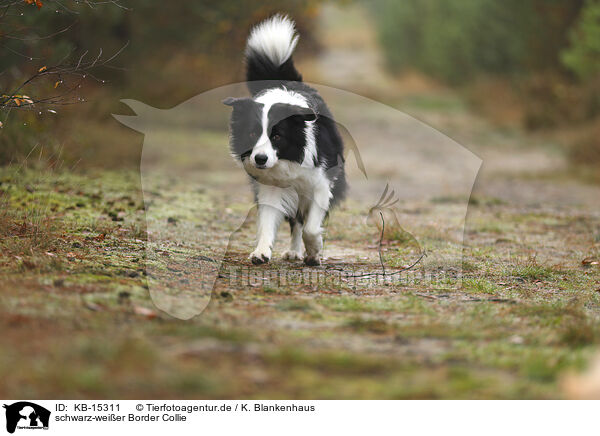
x,y
229,101
309,115
281,111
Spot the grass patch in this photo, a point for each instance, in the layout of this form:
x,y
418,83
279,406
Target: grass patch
x,y
294,306
360,325
479,286
333,362
405,303
533,272
579,333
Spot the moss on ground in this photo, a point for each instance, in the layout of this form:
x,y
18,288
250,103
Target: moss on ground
x,y
78,320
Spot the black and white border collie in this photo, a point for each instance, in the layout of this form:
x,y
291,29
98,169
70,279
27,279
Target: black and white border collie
x,y
287,141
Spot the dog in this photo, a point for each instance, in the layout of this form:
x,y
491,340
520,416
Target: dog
x,y
286,139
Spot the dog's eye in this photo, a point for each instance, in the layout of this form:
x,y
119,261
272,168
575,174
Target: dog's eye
x,y
276,137
252,135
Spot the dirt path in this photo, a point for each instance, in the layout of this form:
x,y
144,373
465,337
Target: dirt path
x,y
76,309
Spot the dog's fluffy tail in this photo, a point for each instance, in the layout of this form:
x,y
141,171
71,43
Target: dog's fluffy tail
x,y
269,53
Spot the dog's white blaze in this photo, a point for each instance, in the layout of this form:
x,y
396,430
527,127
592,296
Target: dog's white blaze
x,y
274,38
264,146
310,148
268,99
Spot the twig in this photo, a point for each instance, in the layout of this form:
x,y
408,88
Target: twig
x,y
381,242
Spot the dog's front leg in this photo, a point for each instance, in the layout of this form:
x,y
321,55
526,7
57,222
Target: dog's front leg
x,y
269,218
273,202
295,251
312,234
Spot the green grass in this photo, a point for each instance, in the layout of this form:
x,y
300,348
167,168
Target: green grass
x,y
480,286
533,272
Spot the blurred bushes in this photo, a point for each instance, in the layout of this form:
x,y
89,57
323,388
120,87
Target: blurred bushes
x,y
174,50
547,52
456,41
549,101
583,57
586,151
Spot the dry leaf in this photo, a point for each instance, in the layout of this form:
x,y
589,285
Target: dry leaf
x,y
590,261
94,307
28,264
144,311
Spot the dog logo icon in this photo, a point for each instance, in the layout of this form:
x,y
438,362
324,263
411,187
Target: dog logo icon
x,y
26,415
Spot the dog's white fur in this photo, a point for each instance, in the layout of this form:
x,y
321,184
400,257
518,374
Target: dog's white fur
x,y
283,190
275,38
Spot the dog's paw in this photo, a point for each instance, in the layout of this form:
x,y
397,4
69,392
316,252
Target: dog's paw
x,y
292,255
312,260
258,257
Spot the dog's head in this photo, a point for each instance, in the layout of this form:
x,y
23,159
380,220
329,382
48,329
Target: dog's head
x,y
277,125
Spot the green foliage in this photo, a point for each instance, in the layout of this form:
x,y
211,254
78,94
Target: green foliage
x,y
455,41
583,57
197,43
170,52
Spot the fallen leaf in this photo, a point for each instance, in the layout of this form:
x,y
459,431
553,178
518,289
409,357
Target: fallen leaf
x,y
517,340
93,306
144,311
588,261
429,297
28,264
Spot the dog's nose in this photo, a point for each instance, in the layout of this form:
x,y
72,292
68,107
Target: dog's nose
x,y
260,159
